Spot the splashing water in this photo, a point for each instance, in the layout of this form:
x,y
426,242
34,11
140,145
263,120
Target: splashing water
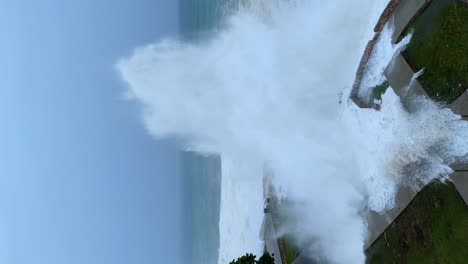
x,y
383,54
265,90
414,78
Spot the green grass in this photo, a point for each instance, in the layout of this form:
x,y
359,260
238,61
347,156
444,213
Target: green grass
x,y
380,90
440,45
291,251
432,229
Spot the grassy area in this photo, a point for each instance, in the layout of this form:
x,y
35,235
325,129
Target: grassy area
x,y
380,90
440,45
291,251
432,229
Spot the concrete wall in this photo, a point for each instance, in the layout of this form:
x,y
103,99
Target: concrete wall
x,y
358,99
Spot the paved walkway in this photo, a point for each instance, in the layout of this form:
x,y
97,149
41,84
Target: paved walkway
x,y
403,80
460,177
460,180
268,234
378,223
460,106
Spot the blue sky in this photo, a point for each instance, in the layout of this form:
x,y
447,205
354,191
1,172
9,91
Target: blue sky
x,y
80,179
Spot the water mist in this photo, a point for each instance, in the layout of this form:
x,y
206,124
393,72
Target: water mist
x,y
265,90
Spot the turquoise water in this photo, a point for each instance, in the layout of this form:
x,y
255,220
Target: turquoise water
x,y
202,174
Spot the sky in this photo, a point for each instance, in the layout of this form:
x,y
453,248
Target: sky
x,y
81,181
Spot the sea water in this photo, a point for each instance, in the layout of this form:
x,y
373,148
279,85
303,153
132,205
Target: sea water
x,y
202,186
201,173
199,19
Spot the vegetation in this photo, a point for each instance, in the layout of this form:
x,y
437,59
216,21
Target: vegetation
x,y
380,90
291,251
432,229
440,45
251,259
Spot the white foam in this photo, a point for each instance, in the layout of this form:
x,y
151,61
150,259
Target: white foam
x,y
241,209
382,55
266,91
392,139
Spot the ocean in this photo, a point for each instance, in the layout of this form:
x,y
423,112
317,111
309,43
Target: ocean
x,y
202,173
202,190
198,19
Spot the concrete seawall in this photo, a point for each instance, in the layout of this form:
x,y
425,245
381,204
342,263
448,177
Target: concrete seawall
x,y
363,102
367,102
399,13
